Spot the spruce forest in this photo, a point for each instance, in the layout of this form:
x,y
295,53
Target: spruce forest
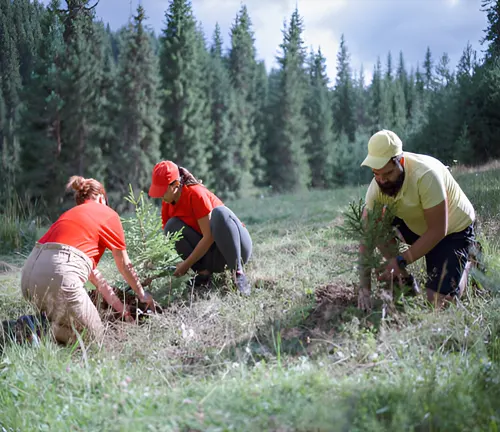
x,y
79,98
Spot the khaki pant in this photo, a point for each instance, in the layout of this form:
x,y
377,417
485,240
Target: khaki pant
x,y
53,278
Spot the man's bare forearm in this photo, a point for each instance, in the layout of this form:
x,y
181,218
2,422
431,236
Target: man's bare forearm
x,y
423,245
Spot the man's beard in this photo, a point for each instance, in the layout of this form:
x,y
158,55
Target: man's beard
x,y
392,188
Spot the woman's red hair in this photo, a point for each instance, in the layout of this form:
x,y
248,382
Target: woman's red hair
x,y
85,189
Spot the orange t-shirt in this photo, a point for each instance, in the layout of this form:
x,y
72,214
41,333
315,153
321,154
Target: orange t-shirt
x,y
196,202
89,227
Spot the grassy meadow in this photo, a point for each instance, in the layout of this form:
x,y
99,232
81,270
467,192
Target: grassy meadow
x,y
296,355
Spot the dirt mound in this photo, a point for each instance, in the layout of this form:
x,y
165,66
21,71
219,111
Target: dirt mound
x,y
336,293
331,300
334,303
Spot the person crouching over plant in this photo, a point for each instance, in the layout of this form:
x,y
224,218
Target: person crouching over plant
x,y
432,214
62,261
212,235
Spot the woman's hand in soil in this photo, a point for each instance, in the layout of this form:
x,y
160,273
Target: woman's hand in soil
x,y
127,316
181,269
149,300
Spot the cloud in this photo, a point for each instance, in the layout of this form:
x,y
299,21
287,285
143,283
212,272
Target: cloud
x,y
371,27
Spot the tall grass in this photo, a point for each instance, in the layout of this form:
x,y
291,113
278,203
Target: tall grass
x,y
278,360
19,224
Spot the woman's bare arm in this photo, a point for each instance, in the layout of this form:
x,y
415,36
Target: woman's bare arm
x,y
98,280
126,269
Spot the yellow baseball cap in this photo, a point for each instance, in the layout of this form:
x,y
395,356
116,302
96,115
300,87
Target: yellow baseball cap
x,y
382,147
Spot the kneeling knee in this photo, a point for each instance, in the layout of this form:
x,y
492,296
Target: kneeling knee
x,y
218,215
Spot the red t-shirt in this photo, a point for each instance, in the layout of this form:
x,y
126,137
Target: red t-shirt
x,y
195,202
89,227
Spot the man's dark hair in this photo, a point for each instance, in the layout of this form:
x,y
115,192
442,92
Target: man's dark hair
x,y
397,159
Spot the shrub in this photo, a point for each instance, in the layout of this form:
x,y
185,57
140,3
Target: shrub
x,y
376,229
150,250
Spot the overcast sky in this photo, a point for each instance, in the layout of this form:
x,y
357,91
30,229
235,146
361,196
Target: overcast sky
x,y
371,27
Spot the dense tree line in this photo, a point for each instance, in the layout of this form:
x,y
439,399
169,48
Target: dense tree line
x,y
78,98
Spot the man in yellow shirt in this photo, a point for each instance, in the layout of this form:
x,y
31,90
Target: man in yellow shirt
x,y
433,215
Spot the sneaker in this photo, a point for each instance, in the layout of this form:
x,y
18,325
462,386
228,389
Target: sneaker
x,y
241,282
30,328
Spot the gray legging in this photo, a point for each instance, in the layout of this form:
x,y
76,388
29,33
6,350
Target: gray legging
x,y
232,242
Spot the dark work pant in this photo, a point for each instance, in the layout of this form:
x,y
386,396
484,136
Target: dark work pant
x,y
232,242
446,261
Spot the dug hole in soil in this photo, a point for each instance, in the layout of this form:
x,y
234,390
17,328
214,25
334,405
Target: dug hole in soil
x,y
331,303
137,309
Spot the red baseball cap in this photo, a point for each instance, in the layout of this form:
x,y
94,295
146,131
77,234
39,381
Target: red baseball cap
x,y
164,173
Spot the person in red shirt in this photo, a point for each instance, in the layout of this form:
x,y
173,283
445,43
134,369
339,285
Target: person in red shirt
x,y
212,236
62,261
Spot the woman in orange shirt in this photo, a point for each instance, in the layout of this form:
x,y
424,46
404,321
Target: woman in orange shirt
x,y
212,235
66,257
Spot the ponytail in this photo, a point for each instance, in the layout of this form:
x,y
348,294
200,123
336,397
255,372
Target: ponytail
x,y
187,179
85,189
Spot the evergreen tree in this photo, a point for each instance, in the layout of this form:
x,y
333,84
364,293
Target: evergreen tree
x,y
398,109
388,70
205,112
483,116
243,68
390,105
217,42
138,124
406,82
81,75
42,161
4,179
465,110
223,152
115,42
10,87
418,107
411,102
261,102
78,98
287,167
27,24
270,114
492,31
348,156
362,116
183,104
320,121
105,128
393,100
428,71
467,64
376,95
444,76
344,103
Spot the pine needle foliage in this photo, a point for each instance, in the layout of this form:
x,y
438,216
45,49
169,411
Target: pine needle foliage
x,y
371,229
150,250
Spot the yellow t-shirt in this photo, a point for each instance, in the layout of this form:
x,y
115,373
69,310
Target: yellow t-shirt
x,y
427,183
